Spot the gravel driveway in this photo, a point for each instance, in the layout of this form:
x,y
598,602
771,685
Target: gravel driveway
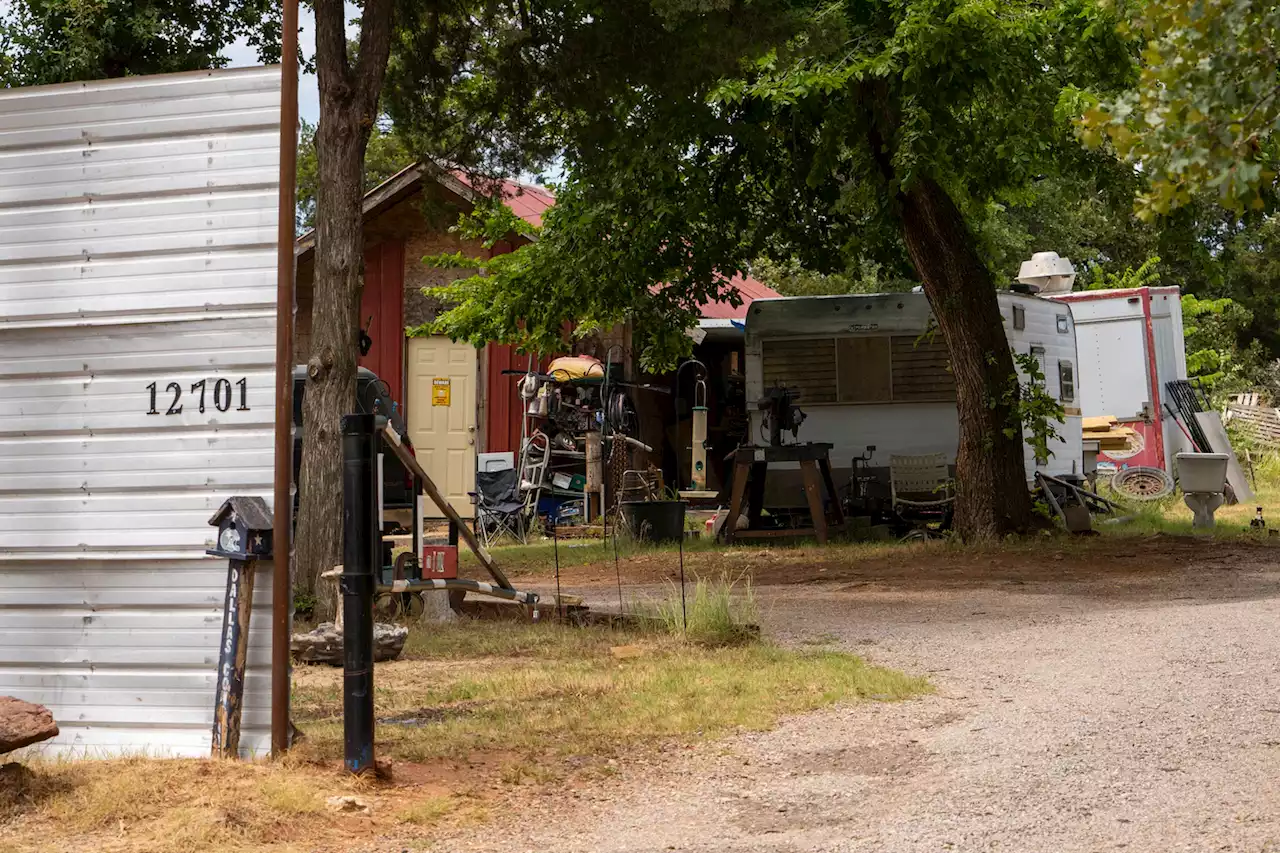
x,y
1139,713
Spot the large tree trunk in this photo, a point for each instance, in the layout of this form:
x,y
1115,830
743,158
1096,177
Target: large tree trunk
x,y
348,106
991,480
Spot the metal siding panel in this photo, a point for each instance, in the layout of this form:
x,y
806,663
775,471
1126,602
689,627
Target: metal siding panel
x,y
137,245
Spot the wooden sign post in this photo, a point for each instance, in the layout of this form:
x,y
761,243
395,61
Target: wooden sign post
x,y
232,655
244,537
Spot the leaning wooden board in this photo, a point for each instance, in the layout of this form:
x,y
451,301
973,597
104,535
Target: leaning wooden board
x,y
429,487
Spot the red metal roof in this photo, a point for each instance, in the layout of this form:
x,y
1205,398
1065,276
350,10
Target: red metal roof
x,y
749,289
527,201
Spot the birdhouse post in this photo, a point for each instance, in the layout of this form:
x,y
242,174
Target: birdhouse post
x,y
244,537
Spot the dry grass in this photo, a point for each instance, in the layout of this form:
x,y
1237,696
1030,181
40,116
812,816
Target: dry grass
x,y
484,712
145,805
539,558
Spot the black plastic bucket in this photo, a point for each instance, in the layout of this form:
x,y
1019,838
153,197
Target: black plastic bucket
x,y
655,521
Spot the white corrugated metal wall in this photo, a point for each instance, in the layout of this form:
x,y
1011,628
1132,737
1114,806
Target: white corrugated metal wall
x,y
137,263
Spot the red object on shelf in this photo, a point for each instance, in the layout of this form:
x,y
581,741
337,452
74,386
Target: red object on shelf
x,y
439,562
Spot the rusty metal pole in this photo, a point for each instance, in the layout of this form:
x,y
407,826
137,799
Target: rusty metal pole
x,y
281,576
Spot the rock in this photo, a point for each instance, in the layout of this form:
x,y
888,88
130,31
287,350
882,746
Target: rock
x,y
348,805
324,644
23,723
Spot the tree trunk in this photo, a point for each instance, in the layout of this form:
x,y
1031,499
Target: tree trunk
x,y
348,106
992,499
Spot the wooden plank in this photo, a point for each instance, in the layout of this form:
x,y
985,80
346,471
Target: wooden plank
x,y
442,503
824,465
233,657
595,477
910,396
776,534
741,471
813,492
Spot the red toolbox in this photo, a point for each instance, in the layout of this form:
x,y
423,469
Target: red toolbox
x,y
439,562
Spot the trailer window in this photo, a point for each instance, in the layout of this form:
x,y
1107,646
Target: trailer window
x,y
1066,381
869,369
808,366
921,370
1019,317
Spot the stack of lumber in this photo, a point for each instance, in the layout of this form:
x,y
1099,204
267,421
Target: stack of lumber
x,y
1108,432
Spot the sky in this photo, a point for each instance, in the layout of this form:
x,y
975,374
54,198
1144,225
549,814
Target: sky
x,y
241,54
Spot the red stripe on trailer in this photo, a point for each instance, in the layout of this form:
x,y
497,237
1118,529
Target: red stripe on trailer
x,y
1153,375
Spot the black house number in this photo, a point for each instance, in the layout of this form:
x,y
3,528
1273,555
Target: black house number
x,y
221,394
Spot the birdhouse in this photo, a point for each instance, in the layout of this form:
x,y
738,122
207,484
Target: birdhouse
x,y
244,529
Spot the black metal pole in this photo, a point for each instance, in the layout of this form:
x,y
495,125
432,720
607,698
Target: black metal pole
x,y
360,544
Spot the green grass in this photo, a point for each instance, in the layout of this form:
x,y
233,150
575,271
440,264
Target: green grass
x,y
542,694
719,612
427,812
1171,516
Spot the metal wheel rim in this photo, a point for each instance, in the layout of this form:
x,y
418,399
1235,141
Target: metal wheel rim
x,y
386,606
1144,484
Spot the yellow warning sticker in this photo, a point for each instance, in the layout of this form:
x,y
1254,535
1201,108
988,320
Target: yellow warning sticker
x,y
440,389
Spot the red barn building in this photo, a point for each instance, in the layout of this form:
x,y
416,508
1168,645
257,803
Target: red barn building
x,y
457,399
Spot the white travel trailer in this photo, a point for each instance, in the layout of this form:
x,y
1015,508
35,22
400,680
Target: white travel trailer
x,y
869,373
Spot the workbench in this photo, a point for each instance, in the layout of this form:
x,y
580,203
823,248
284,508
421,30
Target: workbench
x,y
750,467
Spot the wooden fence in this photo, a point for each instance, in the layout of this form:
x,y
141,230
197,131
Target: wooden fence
x,y
1259,424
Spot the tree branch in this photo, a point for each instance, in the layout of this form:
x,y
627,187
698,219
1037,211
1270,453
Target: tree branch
x,y
332,68
375,47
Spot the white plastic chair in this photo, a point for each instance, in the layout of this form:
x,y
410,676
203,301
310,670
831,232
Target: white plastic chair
x,y
919,476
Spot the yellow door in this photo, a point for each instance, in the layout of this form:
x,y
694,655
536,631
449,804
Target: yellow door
x,y
442,417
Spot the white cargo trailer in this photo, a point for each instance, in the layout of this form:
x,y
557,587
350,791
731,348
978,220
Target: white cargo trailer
x,y
870,372
138,315
1131,344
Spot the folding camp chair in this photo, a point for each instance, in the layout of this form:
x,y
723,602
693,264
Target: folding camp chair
x,y
499,508
921,493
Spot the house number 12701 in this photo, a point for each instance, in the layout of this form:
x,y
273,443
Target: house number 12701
x,y
223,396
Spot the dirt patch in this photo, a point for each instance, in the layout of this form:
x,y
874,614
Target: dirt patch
x,y
869,760
1114,561
437,714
